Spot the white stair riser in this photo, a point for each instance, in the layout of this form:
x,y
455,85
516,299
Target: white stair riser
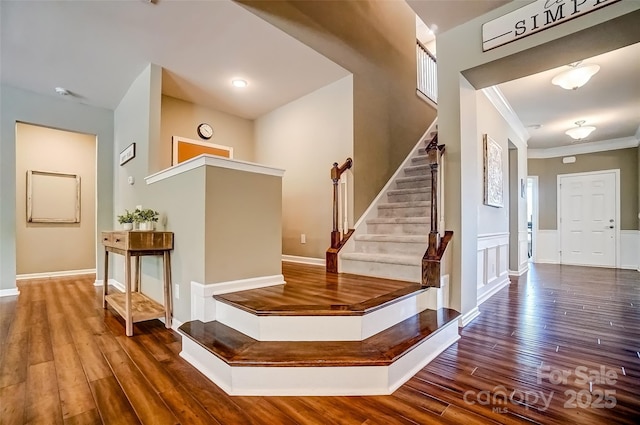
x,y
404,212
318,381
409,197
421,170
400,248
413,184
383,270
398,228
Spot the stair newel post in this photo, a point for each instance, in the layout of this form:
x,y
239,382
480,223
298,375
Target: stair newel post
x,y
338,239
335,234
434,235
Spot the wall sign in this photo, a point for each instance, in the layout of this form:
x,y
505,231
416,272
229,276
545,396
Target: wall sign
x,y
128,154
535,17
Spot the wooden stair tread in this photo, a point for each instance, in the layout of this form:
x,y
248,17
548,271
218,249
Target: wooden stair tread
x,y
264,308
382,349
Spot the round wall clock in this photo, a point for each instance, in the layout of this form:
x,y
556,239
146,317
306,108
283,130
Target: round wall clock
x,y
205,131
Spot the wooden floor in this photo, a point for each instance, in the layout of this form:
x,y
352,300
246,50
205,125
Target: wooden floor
x,y
312,291
65,360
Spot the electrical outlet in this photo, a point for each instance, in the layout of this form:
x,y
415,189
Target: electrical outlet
x,y
176,291
303,238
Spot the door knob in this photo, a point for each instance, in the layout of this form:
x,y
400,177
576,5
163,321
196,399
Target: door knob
x,y
610,227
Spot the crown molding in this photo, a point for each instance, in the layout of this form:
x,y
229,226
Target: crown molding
x,y
497,99
582,148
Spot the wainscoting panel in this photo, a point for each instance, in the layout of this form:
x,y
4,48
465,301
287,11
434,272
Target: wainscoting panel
x,y
630,249
493,264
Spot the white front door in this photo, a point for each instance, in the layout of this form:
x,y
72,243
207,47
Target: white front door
x,y
588,210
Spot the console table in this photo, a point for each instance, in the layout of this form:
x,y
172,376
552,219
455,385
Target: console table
x,y
132,305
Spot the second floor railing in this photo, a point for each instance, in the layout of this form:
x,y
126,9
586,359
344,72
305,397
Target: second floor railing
x,y
427,72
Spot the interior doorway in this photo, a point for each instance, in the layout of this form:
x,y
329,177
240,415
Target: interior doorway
x,y
56,208
588,218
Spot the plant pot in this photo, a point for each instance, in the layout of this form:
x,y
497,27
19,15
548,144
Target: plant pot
x,y
127,226
146,226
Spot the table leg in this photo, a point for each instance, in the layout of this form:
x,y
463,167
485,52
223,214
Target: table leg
x,y
168,298
105,282
136,281
127,294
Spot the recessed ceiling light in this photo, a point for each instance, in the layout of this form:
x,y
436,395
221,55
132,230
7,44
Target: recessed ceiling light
x,y
62,91
239,83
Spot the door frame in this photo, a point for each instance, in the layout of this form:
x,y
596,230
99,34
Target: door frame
x,y
534,217
616,173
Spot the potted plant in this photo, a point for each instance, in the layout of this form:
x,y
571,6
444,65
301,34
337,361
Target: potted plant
x,y
145,218
127,220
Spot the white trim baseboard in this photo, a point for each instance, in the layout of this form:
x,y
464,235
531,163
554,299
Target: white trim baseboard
x,y
493,290
211,289
304,260
11,292
203,306
518,273
466,318
112,282
175,323
45,275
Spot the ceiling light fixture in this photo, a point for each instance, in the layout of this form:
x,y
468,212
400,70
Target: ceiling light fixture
x,y
62,91
576,77
580,132
239,83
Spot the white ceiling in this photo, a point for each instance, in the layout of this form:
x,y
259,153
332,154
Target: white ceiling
x,y
96,49
610,101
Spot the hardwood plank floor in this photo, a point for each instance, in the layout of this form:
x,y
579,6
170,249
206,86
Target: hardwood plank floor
x,y
63,359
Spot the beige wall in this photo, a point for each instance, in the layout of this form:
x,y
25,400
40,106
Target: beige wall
x,y
463,66
548,170
305,137
375,40
53,247
243,236
187,258
180,118
492,219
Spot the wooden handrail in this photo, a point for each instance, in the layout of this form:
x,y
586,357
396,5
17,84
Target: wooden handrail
x,y
426,50
337,239
336,172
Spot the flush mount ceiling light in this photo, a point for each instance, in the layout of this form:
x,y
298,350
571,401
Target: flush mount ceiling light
x,y
580,132
239,83
576,77
62,91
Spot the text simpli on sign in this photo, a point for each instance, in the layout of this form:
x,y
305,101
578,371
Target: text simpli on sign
x,y
535,17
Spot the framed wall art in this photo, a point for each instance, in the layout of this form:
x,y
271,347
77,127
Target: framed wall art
x,y
493,175
53,197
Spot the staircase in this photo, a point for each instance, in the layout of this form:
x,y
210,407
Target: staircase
x,y
353,333
391,240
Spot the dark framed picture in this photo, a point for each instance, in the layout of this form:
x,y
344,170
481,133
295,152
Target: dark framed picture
x,y
128,154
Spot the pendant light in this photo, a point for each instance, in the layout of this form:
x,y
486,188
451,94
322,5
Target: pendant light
x,y
580,132
576,77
